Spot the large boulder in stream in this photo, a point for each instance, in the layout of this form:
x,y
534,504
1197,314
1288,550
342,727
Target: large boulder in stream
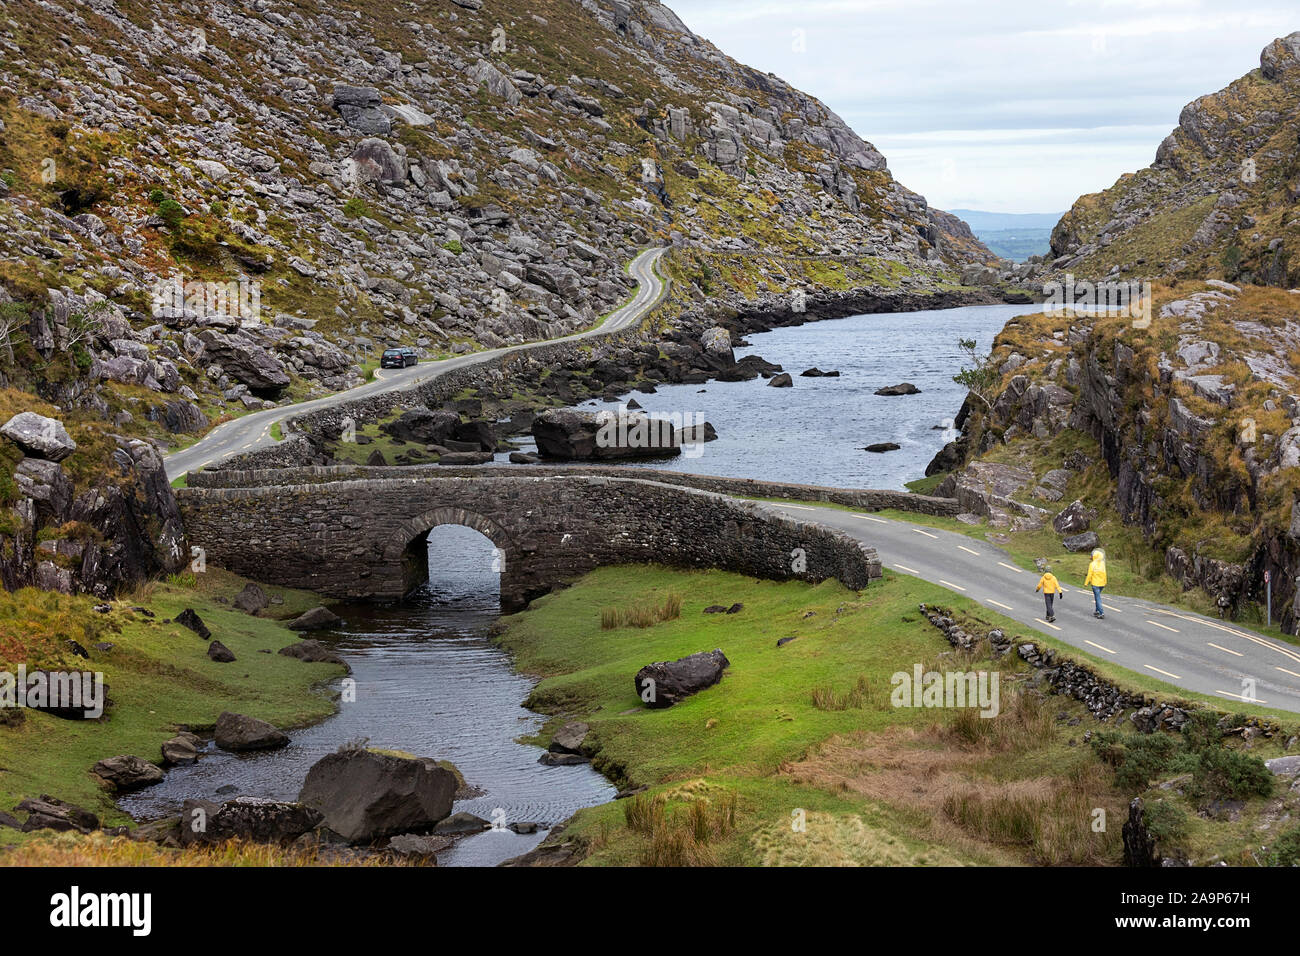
x,y
667,682
237,732
366,795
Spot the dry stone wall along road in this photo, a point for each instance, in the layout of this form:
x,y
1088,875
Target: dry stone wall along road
x,y
1177,647
251,432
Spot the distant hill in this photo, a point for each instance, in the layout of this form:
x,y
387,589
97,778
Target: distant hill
x,y
1010,235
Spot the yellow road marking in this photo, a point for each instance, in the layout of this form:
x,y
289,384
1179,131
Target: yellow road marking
x,y
1099,647
1010,567
949,584
926,533
1285,671
1158,624
869,518
798,507
968,550
1159,671
1224,649
1045,624
1007,607
903,567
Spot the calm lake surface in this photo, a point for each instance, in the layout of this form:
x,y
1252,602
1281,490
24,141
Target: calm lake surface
x,y
814,433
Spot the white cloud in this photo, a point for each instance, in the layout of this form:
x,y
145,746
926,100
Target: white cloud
x,y
1032,103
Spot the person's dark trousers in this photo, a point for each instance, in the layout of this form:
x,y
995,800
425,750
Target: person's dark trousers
x,y
1048,599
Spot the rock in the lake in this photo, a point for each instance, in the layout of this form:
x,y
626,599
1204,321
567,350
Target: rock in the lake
x,y
182,749
783,380
665,683
365,795
576,435
237,732
312,652
317,619
883,446
126,773
903,388
570,738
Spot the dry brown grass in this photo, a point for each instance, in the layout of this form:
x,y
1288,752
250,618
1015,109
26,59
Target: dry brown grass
x,y
951,777
681,835
97,849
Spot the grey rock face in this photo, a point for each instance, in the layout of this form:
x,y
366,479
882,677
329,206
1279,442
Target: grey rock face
x,y
126,773
39,436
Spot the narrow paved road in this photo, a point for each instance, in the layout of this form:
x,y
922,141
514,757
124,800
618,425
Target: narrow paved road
x,y
253,431
1168,644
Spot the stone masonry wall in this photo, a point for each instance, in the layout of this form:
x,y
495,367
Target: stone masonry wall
x,y
863,498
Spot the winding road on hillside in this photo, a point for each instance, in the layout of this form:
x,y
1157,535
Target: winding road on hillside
x,y
1168,644
253,431
1172,645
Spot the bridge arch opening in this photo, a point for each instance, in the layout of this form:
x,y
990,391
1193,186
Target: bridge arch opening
x,y
450,551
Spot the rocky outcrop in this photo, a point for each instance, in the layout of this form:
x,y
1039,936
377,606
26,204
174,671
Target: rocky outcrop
x,y
1218,196
111,533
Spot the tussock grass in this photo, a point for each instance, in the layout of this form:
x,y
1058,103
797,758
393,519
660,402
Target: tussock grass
x,y
97,849
645,612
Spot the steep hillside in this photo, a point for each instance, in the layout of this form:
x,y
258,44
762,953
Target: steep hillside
x,y
1221,200
450,175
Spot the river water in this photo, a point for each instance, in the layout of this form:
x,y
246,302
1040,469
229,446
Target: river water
x,y
429,680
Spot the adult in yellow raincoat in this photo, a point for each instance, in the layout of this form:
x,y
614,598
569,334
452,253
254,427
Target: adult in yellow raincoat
x,y
1097,579
1050,588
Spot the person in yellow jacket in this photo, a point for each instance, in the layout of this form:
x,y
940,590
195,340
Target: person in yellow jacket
x,y
1050,588
1097,580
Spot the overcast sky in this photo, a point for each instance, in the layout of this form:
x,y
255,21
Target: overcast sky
x,y
1004,105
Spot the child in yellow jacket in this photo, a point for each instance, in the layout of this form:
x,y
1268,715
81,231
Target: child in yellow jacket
x,y
1050,588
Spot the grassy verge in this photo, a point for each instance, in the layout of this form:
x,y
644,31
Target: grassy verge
x,y
798,756
159,676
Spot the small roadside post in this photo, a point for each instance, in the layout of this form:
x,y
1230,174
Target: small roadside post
x,y
1268,591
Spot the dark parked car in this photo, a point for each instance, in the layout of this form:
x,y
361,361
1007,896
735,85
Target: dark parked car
x,y
398,358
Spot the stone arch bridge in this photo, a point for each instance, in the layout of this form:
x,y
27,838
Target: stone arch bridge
x,y
350,533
